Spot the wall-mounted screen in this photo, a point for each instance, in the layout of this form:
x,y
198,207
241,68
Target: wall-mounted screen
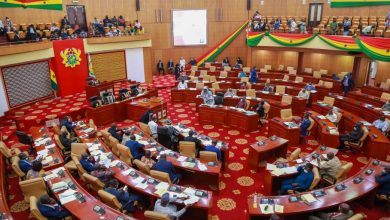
x,y
189,27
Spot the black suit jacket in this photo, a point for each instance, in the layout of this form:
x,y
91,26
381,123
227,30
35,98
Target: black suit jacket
x,y
170,65
160,66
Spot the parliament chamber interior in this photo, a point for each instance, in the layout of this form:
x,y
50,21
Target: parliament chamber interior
x,y
195,109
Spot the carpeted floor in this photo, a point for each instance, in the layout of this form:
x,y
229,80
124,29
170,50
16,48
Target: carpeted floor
x,y
237,181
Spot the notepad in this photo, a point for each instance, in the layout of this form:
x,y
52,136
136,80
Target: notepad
x,y
277,172
139,179
189,191
270,166
50,176
142,185
67,199
202,167
309,198
163,185
181,158
56,187
191,200
266,209
50,146
279,208
160,191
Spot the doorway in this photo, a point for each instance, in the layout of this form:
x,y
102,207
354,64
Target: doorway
x,y
76,16
315,14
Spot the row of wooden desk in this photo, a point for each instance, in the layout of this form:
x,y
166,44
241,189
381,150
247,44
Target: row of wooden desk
x,y
376,145
374,91
364,191
369,99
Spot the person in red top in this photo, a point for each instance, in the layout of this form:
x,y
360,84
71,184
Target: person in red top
x,y
242,104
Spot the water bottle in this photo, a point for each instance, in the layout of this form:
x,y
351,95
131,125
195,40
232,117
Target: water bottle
x,y
255,200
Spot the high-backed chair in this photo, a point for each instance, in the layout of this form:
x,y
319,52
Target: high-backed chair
x,y
328,84
207,65
206,78
358,216
244,79
203,73
33,187
263,70
194,68
199,85
227,68
160,176
321,83
114,148
7,152
212,68
80,168
281,67
142,166
329,101
299,79
290,68
340,176
287,99
93,182
215,86
16,168
34,209
77,149
385,96
106,135
286,77
250,93
354,146
124,154
280,89
145,128
324,72
308,70
384,85
56,129
151,215
223,74
268,67
187,148
208,156
246,69
292,72
286,114
192,74
109,199
293,156
213,79
317,74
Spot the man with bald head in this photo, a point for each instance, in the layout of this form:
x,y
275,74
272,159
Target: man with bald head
x,y
331,166
343,213
115,132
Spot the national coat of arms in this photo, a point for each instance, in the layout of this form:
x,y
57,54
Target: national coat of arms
x,y
71,57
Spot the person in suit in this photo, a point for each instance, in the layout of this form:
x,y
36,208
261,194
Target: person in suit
x,y
242,104
50,208
170,66
213,148
260,109
218,100
305,124
36,170
347,83
136,149
24,164
225,62
343,213
302,182
67,122
384,180
267,87
66,141
17,39
165,206
191,138
145,118
166,166
115,132
177,71
87,163
331,166
31,33
253,75
65,23
127,200
239,61
103,174
353,136
160,67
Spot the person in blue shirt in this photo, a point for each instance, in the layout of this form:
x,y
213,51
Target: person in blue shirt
x,y
268,87
302,182
310,87
335,77
24,164
165,166
213,148
242,74
136,149
253,75
67,122
124,197
50,209
115,132
384,180
87,164
305,124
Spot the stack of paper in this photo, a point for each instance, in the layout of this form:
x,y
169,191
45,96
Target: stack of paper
x,y
56,187
191,200
160,191
202,167
50,176
47,160
50,146
266,209
67,196
321,117
163,185
142,185
279,171
189,191
308,198
88,130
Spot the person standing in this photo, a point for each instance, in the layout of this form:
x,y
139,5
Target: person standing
x,y
170,66
347,83
160,67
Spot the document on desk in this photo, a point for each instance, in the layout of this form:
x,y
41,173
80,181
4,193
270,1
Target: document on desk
x,y
143,142
163,185
47,160
309,198
67,199
56,187
160,191
299,161
50,146
270,166
365,123
202,167
321,117
289,170
93,148
42,153
181,158
277,172
189,191
50,176
142,185
139,179
266,209
279,208
188,164
191,200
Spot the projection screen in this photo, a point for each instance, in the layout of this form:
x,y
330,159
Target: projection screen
x,y
189,27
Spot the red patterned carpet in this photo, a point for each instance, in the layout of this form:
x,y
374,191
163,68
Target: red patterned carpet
x,y
237,181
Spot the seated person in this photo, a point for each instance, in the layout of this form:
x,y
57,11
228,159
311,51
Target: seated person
x,y
66,141
300,183
67,122
125,137
218,100
331,116
87,163
343,213
213,148
274,217
304,94
242,103
225,62
153,127
268,87
259,108
140,89
353,136
305,124
182,85
191,138
97,102
384,180
166,166
133,90
147,159
335,77
50,208
127,200
164,206
145,118
183,76
229,93
242,74
331,165
36,170
24,163
310,87
173,135
124,94
103,174
381,124
136,149
115,132
386,106
244,86
207,96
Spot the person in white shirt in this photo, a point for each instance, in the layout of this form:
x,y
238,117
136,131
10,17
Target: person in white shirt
x,y
164,205
229,93
54,28
137,24
304,94
293,25
182,85
331,116
381,124
182,63
207,96
153,127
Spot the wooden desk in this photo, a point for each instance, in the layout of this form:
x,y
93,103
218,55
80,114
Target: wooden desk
x,y
95,90
374,91
278,128
370,99
4,187
321,131
85,210
135,110
364,192
225,116
55,153
268,150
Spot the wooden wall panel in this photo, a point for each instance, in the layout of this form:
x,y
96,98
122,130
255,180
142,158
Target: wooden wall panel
x,y
109,66
274,58
332,63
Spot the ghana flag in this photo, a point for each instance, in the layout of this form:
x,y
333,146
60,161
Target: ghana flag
x,y
48,4
357,3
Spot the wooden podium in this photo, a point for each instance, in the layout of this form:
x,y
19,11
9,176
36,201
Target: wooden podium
x,y
95,90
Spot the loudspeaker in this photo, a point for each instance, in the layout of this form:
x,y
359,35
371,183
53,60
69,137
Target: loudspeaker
x,y
248,5
137,5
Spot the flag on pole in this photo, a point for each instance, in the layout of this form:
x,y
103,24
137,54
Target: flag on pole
x,y
53,78
90,69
